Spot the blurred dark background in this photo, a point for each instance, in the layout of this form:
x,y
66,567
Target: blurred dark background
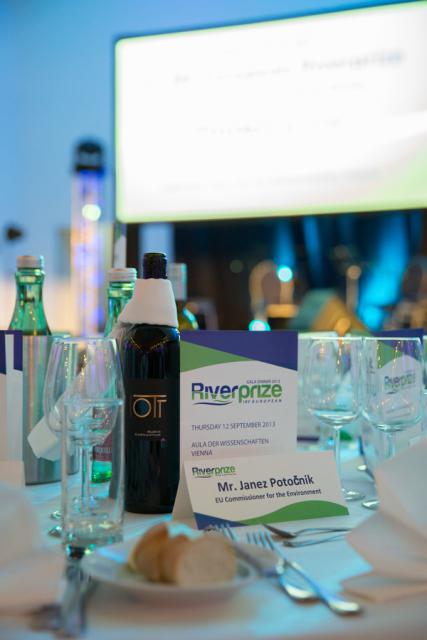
x,y
383,250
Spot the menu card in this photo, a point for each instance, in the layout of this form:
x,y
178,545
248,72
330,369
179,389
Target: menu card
x,y
238,393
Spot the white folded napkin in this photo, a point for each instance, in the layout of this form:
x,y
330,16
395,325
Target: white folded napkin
x,y
43,442
394,539
30,575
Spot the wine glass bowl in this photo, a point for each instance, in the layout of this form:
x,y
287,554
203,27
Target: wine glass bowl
x,y
393,383
90,421
392,397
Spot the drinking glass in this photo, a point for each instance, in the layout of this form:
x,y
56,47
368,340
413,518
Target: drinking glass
x,y
331,388
308,427
424,421
392,398
83,400
54,422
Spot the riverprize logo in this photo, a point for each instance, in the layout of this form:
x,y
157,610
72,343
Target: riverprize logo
x,y
209,472
221,395
396,384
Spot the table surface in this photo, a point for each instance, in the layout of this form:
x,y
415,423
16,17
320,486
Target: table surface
x,y
260,610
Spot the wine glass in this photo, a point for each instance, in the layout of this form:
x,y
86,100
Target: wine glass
x,y
392,398
53,421
331,388
83,401
424,421
308,427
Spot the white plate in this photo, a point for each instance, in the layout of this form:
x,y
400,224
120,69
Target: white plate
x,y
109,564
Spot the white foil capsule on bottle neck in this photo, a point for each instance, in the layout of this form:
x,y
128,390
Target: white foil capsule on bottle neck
x,y
152,302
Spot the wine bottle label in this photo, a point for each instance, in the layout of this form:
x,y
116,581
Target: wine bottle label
x,y
151,406
103,452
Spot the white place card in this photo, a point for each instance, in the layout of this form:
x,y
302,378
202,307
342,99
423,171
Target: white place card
x,y
273,488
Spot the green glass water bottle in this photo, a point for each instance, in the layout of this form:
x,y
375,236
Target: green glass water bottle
x,y
177,273
28,315
121,283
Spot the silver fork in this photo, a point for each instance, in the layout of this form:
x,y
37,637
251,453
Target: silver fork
x,y
295,592
296,544
335,603
289,535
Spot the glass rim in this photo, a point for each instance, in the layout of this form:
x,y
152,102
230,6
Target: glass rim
x,y
317,335
394,339
84,338
335,338
89,340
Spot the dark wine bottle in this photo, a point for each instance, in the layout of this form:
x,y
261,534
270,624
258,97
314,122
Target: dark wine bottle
x,y
150,357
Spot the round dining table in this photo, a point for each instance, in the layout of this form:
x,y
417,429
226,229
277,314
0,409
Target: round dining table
x,y
260,610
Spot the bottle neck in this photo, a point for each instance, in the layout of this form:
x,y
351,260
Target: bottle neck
x,y
29,285
119,294
120,290
29,316
154,265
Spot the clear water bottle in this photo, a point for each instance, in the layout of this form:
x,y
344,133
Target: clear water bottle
x,y
28,315
121,283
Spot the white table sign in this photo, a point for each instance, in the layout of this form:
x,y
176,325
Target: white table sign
x,y
241,491
238,393
238,398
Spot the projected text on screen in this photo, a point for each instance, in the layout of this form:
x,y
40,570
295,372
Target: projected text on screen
x,y
318,114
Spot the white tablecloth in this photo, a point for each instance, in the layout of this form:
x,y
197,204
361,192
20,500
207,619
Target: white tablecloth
x,y
259,611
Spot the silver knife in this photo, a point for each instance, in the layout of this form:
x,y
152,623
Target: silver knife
x,y
295,592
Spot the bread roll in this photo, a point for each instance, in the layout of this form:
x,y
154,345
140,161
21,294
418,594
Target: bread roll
x,y
176,554
144,557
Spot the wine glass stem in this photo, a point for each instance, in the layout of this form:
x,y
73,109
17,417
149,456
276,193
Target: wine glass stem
x,y
86,476
391,445
337,450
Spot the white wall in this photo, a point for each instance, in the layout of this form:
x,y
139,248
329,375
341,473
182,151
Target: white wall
x,y
56,60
